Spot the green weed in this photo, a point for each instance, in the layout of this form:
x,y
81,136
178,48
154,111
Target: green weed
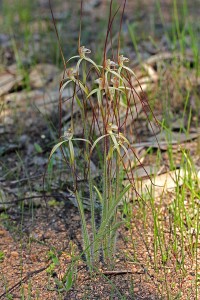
x,y
2,256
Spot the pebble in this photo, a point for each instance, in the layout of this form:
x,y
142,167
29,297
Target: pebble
x,y
134,270
14,253
76,218
2,233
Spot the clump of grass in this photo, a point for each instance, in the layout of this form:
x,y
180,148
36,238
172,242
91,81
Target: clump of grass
x,y
103,90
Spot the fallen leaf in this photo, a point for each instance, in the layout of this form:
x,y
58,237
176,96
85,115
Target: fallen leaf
x,y
41,74
46,102
135,158
163,140
173,137
8,82
168,55
146,171
158,185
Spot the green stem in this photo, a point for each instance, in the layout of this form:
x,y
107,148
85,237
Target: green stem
x,y
117,189
86,239
105,196
92,203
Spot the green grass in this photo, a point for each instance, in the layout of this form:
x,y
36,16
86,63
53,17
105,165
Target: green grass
x,y
183,212
164,230
2,256
183,217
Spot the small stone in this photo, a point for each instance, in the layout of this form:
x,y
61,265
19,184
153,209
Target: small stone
x,y
14,254
26,286
76,218
2,233
134,270
79,295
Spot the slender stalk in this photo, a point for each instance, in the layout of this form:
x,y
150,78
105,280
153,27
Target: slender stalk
x,y
196,255
86,239
105,204
116,193
92,209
